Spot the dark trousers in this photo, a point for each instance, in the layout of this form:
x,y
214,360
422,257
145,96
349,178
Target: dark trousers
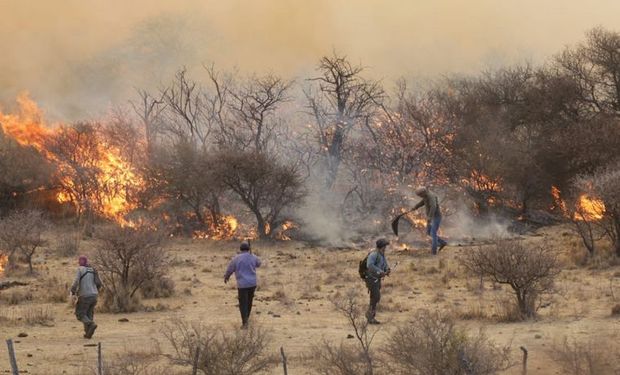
x,y
85,310
374,288
246,296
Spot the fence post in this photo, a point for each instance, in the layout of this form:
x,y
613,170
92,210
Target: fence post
x,y
283,360
99,360
196,358
12,359
524,371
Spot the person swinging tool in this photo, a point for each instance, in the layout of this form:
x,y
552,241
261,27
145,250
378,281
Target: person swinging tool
x,y
433,217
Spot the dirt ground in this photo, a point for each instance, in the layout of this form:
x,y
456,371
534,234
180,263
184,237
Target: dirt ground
x,y
293,303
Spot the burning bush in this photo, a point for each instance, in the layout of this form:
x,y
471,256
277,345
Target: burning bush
x,y
599,206
432,345
264,185
127,259
528,270
21,232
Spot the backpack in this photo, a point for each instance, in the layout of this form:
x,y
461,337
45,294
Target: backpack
x,y
97,280
363,266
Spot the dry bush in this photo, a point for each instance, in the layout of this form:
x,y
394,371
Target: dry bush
x,y
68,246
529,270
137,362
16,297
126,259
54,291
575,358
615,311
432,345
21,233
162,287
38,316
220,352
345,358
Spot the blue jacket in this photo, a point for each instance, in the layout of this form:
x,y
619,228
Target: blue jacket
x,y
376,264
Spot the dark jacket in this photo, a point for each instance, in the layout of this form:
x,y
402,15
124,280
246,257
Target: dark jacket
x,y
431,203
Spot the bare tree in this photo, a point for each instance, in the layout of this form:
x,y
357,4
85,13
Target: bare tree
x,y
341,100
149,110
266,186
126,259
22,234
529,270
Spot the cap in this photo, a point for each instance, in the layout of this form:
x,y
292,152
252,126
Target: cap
x,y
245,246
382,242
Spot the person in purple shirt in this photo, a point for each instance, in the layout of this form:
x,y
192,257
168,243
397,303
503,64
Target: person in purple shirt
x,y
244,267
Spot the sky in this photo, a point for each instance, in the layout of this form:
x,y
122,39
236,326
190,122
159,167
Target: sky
x,y
78,58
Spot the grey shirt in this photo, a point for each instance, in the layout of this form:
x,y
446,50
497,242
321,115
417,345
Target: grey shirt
x,y
431,203
84,284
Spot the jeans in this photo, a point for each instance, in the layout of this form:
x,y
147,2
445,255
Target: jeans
x,y
85,310
432,227
246,296
374,287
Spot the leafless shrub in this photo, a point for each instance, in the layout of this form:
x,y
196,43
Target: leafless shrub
x,y
615,311
432,345
126,259
348,359
22,234
220,352
577,358
162,287
529,270
137,362
68,246
54,291
38,316
16,297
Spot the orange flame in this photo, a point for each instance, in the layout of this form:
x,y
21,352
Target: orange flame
x,y
28,129
3,261
225,230
589,208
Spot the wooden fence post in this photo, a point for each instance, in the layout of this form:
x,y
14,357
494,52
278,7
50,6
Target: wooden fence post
x,y
12,359
99,360
524,370
283,360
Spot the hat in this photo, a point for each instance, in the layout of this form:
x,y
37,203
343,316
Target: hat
x,y
245,246
83,261
421,190
382,242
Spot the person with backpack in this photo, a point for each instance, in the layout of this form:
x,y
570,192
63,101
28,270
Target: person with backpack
x,y
376,268
244,266
433,217
86,287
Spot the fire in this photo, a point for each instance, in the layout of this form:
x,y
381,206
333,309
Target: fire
x,y
116,176
589,208
225,230
281,235
557,199
3,261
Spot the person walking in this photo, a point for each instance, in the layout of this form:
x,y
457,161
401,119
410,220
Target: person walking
x,y
376,268
244,267
86,287
433,217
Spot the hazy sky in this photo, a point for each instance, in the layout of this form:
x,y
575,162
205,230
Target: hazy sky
x,y
77,57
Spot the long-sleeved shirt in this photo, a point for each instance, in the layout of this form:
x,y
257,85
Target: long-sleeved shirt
x,y
84,284
376,264
431,203
244,266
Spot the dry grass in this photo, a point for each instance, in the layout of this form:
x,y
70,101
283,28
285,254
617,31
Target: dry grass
x,y
16,297
39,316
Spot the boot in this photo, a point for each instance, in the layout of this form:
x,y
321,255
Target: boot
x,y
91,330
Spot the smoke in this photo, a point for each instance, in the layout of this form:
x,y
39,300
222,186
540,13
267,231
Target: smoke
x,y
78,58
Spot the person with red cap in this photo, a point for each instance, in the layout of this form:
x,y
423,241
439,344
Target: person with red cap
x,y
86,287
244,267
